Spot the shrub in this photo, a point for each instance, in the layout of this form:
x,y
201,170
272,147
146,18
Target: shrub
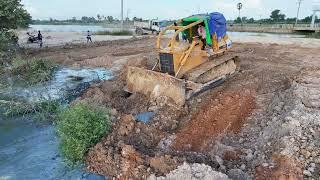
x,y
115,33
79,128
314,35
32,71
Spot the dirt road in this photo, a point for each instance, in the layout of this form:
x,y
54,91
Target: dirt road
x,y
263,121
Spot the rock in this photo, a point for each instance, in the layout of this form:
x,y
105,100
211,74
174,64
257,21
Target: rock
x,y
153,108
163,164
243,167
311,169
249,156
307,173
237,174
193,172
113,112
199,100
313,165
219,160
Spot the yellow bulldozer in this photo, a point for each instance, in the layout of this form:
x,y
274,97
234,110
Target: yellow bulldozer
x,y
185,68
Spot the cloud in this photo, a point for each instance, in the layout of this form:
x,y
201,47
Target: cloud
x,y
253,4
33,11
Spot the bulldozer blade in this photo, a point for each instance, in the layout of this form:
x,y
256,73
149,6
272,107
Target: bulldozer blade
x,y
155,84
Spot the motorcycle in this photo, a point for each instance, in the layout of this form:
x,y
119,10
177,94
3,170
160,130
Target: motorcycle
x,y
32,39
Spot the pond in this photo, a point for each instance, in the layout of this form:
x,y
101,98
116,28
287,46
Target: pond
x,y
29,149
69,28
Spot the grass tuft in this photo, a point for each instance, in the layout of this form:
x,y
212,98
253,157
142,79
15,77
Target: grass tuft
x,y
314,35
32,71
80,127
44,110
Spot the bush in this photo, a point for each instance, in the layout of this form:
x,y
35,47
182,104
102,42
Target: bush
x,y
314,35
79,128
32,71
115,33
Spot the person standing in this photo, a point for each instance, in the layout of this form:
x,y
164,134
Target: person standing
x,y
40,39
177,37
203,35
89,37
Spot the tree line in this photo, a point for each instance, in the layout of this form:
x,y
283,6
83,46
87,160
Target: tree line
x,y
86,20
275,17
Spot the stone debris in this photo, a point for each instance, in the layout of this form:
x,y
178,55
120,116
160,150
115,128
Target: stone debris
x,y
192,172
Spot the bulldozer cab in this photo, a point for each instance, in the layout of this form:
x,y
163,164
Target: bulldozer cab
x,y
184,50
192,32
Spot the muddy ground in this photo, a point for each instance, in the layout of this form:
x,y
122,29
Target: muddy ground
x,y
263,123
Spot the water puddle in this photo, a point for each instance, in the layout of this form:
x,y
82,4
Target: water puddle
x,y
29,150
63,85
145,117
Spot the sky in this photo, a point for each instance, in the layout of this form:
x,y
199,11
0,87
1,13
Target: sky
x,y
163,9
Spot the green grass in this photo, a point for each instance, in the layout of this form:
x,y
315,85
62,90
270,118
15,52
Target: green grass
x,y
314,35
44,110
115,33
32,71
80,127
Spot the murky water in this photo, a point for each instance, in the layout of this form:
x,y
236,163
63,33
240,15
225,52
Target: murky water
x,y
64,81
29,150
66,28
69,28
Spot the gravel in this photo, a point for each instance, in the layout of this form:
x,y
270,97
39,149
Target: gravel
x,y
192,172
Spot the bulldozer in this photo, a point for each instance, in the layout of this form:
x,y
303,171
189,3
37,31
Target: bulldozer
x,y
184,68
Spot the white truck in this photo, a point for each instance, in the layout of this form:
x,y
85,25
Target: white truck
x,y
152,26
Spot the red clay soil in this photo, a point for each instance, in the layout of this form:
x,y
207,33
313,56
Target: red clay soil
x,y
284,169
220,114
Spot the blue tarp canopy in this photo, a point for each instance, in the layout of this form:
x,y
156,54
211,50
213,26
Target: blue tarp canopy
x,y
217,25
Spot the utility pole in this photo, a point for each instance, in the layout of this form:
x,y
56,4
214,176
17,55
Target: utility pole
x,y
128,12
299,4
122,15
239,7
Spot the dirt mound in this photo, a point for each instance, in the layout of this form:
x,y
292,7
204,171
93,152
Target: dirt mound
x,y
284,169
128,151
220,114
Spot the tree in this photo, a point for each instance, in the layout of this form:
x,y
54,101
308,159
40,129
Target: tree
x,y
110,19
99,17
137,19
74,19
291,20
244,19
276,16
238,20
307,19
12,16
251,20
